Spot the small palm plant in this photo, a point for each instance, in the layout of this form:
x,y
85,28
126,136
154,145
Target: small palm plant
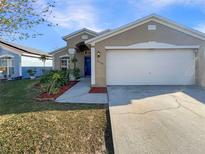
x,y
74,60
43,58
54,81
31,73
75,71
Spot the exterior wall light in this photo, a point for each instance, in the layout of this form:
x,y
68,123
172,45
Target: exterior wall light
x,y
98,54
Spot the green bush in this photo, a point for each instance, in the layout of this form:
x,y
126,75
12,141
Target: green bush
x,y
55,83
31,72
76,73
53,80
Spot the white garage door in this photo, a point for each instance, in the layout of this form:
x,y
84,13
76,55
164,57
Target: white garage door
x,y
150,67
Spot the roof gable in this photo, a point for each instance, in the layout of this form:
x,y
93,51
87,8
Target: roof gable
x,y
76,33
144,20
22,49
57,50
10,50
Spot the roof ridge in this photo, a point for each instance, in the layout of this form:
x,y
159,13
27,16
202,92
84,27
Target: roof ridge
x,y
25,49
144,19
79,31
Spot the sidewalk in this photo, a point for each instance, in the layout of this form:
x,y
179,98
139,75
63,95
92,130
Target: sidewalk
x,y
79,94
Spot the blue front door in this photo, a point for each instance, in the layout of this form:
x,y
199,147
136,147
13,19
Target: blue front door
x,y
87,66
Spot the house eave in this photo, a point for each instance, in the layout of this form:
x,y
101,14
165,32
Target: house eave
x,y
84,30
148,48
144,20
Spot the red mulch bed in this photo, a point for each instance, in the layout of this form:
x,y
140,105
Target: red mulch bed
x,y
49,97
98,90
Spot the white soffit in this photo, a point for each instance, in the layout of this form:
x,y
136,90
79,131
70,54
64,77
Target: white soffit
x,y
151,45
64,56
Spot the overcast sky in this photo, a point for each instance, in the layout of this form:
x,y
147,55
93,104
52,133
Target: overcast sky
x,y
99,15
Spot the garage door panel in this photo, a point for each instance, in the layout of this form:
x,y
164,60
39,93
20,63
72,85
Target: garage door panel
x,y
164,67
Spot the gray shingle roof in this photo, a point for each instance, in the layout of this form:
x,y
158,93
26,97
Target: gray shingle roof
x,y
24,49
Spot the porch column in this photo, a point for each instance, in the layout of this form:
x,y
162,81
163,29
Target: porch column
x,y
93,65
20,67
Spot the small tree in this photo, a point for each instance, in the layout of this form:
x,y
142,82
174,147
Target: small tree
x,y
53,87
43,58
31,73
74,61
75,70
18,17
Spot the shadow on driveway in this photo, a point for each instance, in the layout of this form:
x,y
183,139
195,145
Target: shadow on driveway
x,y
122,95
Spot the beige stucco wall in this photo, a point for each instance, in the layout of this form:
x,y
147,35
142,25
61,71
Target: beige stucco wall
x,y
71,43
140,34
56,58
79,56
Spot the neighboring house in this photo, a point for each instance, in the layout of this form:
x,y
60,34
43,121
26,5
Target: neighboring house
x,y
13,57
150,51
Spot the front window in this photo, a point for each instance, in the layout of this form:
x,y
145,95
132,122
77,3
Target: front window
x,y
6,67
65,63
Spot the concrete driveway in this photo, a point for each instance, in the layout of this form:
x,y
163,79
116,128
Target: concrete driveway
x,y
157,119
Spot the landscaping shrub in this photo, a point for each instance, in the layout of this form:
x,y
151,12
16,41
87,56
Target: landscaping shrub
x,y
55,83
53,80
31,72
76,73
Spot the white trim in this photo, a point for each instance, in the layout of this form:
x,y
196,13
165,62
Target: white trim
x,y
31,55
64,56
6,55
139,48
53,63
81,31
183,29
92,65
23,49
57,51
151,45
20,68
13,50
144,20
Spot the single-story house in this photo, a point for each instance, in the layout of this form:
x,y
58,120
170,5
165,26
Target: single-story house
x,y
14,59
75,46
150,51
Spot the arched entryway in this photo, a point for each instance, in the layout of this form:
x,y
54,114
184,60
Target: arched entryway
x,y
83,48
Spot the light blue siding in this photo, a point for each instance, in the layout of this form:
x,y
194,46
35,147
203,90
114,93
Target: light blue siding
x,y
38,70
16,60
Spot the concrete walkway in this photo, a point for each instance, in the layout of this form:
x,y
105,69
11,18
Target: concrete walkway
x,y
157,119
79,94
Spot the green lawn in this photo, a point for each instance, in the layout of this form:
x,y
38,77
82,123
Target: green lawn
x,y
28,126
